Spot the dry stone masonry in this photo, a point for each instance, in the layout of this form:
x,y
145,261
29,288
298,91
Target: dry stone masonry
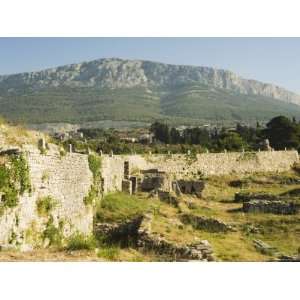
x,y
156,168
66,180
206,224
274,207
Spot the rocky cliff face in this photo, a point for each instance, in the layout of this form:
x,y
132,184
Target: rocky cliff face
x,y
118,73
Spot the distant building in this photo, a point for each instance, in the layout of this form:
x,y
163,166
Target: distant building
x,y
62,136
129,139
76,134
146,138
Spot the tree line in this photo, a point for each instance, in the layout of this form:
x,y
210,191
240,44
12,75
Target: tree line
x,y
281,132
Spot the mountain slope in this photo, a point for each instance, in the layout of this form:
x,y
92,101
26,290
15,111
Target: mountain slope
x,y
116,89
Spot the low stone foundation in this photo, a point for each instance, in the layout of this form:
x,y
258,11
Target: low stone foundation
x,y
275,207
119,232
200,251
207,224
246,197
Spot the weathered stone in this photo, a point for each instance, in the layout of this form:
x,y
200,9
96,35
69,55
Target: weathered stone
x,y
69,180
191,187
134,183
207,224
127,186
124,232
288,258
42,144
179,167
154,179
126,169
246,196
168,197
275,207
264,247
176,188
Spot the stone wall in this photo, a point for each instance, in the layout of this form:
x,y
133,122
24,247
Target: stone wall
x,y
273,207
180,166
67,180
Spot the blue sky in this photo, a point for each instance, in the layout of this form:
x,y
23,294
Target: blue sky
x,y
273,60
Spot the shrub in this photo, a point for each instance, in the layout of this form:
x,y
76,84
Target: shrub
x,y
14,180
4,176
10,197
53,234
80,242
45,205
92,195
20,173
94,164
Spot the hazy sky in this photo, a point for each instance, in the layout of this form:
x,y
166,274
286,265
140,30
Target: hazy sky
x,y
273,60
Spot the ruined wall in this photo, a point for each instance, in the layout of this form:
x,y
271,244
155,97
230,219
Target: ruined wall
x,y
112,172
181,166
67,180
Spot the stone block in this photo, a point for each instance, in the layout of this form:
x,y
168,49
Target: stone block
x,y
127,186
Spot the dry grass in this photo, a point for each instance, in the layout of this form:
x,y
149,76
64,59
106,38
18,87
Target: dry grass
x,y
16,135
280,231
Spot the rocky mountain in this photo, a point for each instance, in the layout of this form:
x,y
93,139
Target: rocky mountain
x,y
134,83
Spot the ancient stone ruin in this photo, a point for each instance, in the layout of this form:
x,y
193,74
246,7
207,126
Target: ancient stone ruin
x,y
200,250
153,179
275,207
66,179
246,196
194,187
207,224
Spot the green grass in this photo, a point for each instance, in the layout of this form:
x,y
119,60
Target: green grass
x,y
53,233
110,253
119,207
81,242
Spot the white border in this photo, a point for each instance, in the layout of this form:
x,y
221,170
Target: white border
x,y
145,281
149,18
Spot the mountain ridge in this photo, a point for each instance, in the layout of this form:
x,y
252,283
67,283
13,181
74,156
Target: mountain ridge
x,y
140,91
124,73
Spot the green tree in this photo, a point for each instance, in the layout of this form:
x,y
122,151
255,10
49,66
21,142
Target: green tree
x,y
231,141
282,132
161,132
175,137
